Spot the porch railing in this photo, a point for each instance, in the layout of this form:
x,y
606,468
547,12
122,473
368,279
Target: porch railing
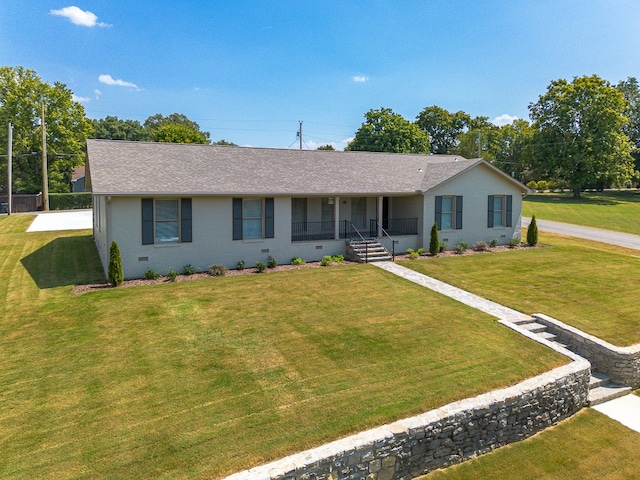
x,y
306,231
395,226
349,231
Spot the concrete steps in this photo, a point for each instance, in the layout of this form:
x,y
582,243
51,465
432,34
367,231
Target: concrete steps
x,y
600,387
368,251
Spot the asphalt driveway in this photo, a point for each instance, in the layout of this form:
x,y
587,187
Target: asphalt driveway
x,y
605,236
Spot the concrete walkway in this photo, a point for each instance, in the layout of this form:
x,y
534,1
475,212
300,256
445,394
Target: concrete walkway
x,y
625,410
65,220
605,236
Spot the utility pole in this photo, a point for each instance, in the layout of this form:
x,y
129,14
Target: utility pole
x,y
9,168
45,173
300,134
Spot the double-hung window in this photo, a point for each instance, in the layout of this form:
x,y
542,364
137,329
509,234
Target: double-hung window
x,y
166,221
499,213
449,212
253,218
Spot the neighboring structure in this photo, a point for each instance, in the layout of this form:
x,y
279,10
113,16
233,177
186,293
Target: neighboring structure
x,y
169,205
78,179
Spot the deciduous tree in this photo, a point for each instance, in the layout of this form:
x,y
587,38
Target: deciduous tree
x,y
443,127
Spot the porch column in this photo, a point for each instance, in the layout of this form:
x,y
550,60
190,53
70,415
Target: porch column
x,y
336,218
379,217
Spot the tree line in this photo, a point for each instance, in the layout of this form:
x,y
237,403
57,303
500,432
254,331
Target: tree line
x,y
583,133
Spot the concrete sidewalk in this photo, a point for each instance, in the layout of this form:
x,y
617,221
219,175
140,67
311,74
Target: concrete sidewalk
x,y
625,410
65,220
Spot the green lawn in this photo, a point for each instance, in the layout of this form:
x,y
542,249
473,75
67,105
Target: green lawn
x,y
588,285
587,446
611,210
199,379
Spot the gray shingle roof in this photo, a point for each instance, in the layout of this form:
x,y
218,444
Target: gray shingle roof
x,y
140,168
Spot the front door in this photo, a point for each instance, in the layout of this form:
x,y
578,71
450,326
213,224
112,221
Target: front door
x,y
359,212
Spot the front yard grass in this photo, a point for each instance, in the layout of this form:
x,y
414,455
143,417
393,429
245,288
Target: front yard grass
x,y
200,379
589,285
611,210
588,445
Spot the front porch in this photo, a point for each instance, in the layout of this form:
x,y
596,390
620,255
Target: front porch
x,y
313,231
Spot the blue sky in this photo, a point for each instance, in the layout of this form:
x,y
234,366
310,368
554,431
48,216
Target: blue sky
x,y
248,71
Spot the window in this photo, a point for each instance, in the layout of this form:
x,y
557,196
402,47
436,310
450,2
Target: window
x,y
500,211
253,218
449,212
166,221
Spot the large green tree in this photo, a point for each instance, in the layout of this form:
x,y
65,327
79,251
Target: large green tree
x,y
176,128
386,131
513,149
22,95
443,127
113,128
631,92
579,136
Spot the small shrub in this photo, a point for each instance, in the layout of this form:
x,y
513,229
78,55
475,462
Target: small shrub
x,y
188,269
412,253
271,262
338,258
297,261
434,242
172,274
481,246
217,270
241,265
116,275
326,261
261,267
493,243
151,274
420,251
532,232
461,247
513,242
443,246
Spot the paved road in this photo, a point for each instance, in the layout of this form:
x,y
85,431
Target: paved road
x,y
588,233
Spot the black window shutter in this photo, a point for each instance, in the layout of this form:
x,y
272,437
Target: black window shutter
x,y
237,219
268,218
509,210
490,212
439,212
185,220
147,221
459,212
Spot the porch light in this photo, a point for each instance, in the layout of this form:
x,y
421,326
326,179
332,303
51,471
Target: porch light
x,y
331,200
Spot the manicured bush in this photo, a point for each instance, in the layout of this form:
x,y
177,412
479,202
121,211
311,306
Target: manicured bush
x,y
172,274
261,267
337,258
532,232
241,265
461,247
70,201
116,275
217,270
443,246
513,242
151,274
297,261
326,261
434,242
481,246
271,262
188,269
494,242
412,253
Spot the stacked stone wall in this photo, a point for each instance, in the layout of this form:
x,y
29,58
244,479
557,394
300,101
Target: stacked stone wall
x,y
620,364
442,437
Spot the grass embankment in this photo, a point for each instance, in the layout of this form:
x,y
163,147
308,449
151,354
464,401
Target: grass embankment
x,y
588,445
200,379
588,285
610,210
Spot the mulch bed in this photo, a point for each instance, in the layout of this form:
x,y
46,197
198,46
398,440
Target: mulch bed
x,y
80,289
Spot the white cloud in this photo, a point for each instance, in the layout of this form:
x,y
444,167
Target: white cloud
x,y
78,16
109,80
311,145
360,79
504,119
76,98
97,93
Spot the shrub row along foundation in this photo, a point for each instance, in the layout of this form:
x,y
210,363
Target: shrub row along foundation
x,y
441,437
620,364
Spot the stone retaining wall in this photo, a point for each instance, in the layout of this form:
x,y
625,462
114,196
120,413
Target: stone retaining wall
x,y
442,437
620,364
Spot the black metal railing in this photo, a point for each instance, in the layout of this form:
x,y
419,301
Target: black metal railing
x,y
385,238
395,226
349,231
306,231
